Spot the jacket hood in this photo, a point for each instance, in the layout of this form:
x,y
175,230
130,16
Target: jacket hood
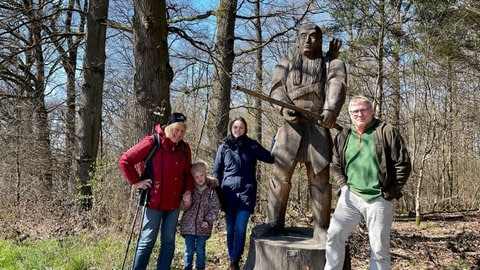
x,y
158,129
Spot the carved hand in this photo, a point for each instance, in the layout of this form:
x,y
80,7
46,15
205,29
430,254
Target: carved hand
x,y
328,118
290,115
334,48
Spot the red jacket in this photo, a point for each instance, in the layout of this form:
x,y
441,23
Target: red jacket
x,y
171,169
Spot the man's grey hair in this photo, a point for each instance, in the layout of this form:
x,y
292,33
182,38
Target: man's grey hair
x,y
358,100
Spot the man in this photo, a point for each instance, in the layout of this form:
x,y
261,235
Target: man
x,y
316,83
371,165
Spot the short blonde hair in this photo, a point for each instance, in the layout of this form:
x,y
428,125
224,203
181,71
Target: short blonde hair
x,y
168,129
199,166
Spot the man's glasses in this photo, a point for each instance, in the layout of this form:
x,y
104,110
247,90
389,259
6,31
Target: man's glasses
x,y
357,112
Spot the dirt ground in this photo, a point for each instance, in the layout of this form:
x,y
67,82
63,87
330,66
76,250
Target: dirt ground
x,y
441,241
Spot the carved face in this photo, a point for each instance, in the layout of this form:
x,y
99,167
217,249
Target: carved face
x,y
309,41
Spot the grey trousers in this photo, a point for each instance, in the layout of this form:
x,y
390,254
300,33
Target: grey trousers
x,y
378,214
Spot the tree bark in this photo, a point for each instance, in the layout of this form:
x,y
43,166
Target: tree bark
x,y
223,60
90,100
153,73
68,56
397,39
258,87
380,70
42,131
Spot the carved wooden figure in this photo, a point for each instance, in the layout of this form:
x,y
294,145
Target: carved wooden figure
x,y
314,82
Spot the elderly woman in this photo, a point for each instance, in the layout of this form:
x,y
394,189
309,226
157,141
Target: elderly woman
x,y
169,182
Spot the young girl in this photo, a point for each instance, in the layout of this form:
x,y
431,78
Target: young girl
x,y
197,220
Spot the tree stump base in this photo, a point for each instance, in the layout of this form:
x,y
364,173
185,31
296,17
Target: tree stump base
x,y
294,248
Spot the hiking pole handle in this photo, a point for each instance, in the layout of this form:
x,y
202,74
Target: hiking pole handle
x,y
144,195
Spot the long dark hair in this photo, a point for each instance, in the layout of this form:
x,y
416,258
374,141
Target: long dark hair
x,y
313,68
237,118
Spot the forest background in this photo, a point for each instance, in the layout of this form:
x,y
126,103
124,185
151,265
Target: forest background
x,y
80,81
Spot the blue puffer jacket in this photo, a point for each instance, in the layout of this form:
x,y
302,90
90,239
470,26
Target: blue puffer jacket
x,y
235,169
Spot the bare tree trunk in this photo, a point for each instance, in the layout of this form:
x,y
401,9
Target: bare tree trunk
x,y
69,61
396,97
90,101
258,87
380,43
153,73
18,158
222,80
449,142
45,159
70,68
42,131
258,73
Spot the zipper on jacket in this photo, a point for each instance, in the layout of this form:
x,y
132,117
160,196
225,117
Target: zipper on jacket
x,y
198,210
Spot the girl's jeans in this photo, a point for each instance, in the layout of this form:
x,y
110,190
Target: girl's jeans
x,y
194,244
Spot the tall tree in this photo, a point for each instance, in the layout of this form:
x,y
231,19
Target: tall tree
x,y
90,100
25,72
223,63
375,31
396,58
67,38
38,72
258,71
153,73
457,59
379,55
258,111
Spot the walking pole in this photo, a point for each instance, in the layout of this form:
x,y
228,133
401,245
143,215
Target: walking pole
x,y
131,233
143,200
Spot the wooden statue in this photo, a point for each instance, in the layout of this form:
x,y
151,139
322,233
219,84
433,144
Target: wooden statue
x,y
317,83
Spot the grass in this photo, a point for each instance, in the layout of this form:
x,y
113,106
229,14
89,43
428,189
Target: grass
x,y
84,252
67,253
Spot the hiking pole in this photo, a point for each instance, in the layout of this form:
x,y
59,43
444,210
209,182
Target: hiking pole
x,y
131,233
143,200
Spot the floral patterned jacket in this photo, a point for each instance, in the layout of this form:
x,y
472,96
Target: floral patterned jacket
x,y
205,207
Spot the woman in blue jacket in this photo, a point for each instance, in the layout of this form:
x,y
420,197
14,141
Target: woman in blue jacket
x,y
235,168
